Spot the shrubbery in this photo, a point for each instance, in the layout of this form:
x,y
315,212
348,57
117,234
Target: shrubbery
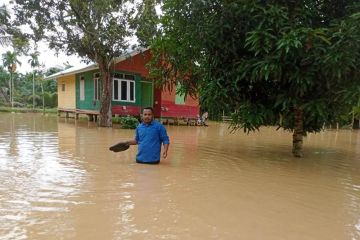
x,y
127,122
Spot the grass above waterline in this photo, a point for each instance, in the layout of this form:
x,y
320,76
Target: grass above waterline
x,y
28,110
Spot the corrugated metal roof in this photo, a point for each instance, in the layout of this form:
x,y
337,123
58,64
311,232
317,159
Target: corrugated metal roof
x,y
92,66
72,70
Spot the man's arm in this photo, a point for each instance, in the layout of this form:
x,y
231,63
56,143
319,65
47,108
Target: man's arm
x,y
165,140
132,142
166,147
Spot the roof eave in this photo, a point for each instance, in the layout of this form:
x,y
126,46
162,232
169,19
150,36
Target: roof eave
x,y
56,76
129,55
94,66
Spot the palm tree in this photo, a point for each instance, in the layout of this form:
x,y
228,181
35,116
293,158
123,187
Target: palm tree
x,y
40,78
4,16
34,63
10,59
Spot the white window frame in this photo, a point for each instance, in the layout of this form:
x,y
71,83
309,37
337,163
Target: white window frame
x,y
97,87
82,88
127,90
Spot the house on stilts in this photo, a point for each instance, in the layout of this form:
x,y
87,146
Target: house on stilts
x,y
79,91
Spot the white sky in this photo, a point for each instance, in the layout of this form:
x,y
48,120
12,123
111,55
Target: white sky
x,y
47,56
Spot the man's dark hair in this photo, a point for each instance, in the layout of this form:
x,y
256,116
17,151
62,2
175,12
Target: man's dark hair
x,y
149,108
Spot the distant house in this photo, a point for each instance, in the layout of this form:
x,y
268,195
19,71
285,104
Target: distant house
x,y
79,90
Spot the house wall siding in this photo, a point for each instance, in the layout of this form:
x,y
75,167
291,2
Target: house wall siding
x,y
135,64
88,103
66,99
169,108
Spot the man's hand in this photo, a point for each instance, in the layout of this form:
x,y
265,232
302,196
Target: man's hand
x,y
166,147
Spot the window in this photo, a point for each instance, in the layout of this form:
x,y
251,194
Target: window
x,y
124,76
97,86
179,97
82,88
118,75
116,89
124,87
129,77
63,87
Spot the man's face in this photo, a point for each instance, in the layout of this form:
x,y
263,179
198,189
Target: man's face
x,y
147,116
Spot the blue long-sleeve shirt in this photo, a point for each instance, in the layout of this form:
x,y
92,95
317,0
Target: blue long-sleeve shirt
x,y
149,138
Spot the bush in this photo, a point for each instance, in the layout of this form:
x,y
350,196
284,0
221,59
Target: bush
x,y
50,99
38,100
4,104
47,99
54,99
128,122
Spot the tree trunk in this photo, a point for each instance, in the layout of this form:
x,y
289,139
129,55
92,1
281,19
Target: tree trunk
x,y
106,93
43,97
298,133
33,90
11,90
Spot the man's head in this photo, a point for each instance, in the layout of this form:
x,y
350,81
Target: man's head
x,y
147,114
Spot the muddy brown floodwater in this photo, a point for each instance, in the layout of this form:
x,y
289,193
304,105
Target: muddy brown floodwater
x,y
58,180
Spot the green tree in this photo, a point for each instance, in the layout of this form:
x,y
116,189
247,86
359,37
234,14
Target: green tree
x,y
10,61
5,39
284,63
4,78
96,30
9,34
34,63
146,22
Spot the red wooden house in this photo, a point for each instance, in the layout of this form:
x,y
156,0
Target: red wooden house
x,y
79,90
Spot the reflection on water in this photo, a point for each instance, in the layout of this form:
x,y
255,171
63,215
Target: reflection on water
x,y
59,181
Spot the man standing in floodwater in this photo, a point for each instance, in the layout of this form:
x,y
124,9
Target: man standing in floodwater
x,y
149,136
